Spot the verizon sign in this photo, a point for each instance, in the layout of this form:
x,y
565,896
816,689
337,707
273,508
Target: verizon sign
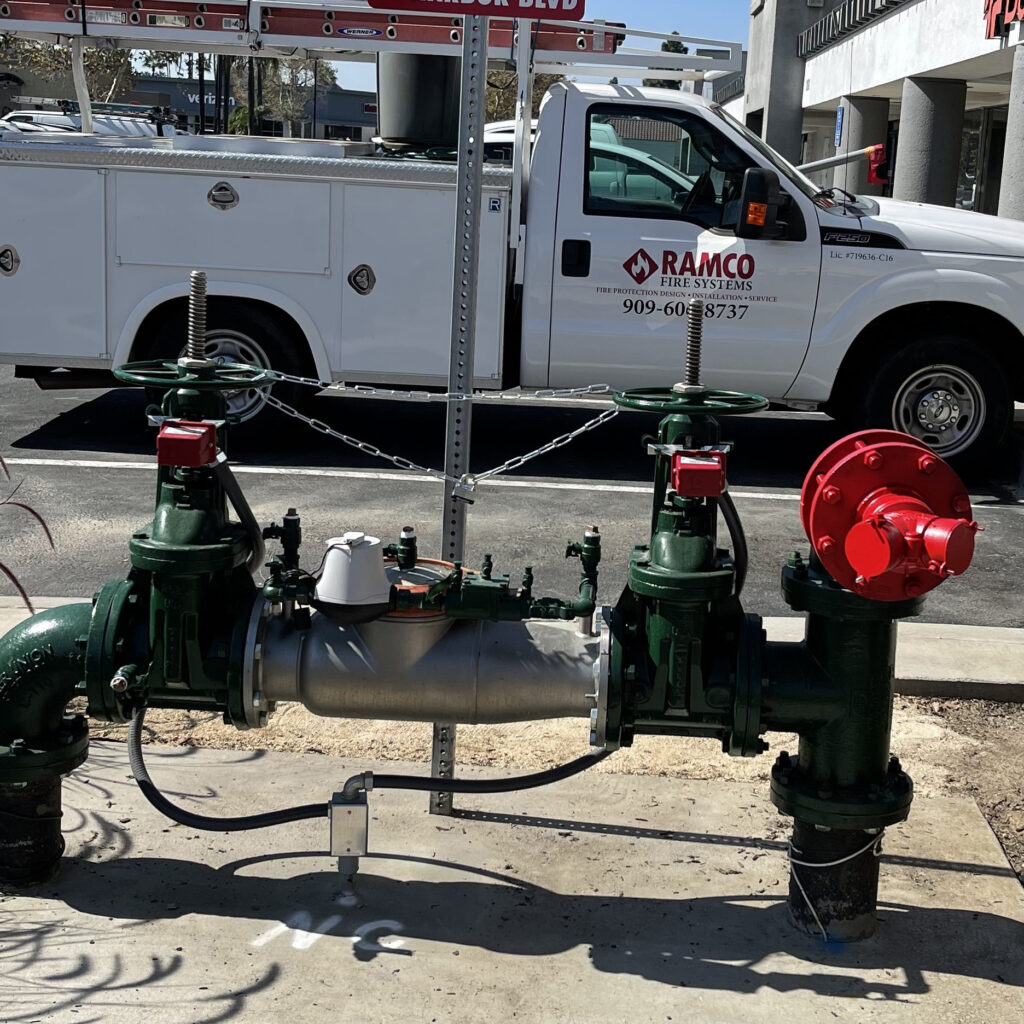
x,y
572,10
1000,14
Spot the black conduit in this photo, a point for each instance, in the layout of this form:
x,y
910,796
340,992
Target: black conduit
x,y
738,537
428,785
354,786
183,817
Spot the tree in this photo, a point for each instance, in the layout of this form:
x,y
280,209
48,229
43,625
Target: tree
x,y
108,72
668,46
288,88
503,91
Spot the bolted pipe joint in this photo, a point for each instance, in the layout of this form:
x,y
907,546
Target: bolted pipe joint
x,y
42,661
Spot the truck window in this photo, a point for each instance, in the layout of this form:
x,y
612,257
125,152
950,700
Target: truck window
x,y
663,163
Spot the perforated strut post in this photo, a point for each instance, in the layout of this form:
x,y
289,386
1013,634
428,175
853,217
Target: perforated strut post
x,y
469,189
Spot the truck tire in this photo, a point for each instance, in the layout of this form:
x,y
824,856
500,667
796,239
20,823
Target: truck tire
x,y
947,391
239,333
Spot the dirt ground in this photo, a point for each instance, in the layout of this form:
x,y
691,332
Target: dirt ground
x,y
962,748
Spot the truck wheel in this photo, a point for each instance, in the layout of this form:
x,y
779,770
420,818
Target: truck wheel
x,y
237,333
946,391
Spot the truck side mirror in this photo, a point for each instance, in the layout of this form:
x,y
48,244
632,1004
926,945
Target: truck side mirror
x,y
761,198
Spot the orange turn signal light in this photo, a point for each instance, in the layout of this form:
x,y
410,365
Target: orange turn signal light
x,y
757,214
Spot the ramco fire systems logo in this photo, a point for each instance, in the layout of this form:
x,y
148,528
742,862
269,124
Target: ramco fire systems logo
x,y
640,266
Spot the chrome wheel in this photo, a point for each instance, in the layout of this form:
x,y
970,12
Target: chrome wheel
x,y
943,406
227,346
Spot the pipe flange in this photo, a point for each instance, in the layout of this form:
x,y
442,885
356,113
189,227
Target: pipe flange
x,y
745,738
602,678
255,707
103,658
869,807
24,761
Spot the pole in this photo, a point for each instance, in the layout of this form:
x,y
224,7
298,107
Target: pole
x,y
218,78
523,145
226,92
316,68
252,95
837,161
460,375
202,95
81,85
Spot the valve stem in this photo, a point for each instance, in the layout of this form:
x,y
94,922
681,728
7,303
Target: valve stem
x,y
694,340
197,315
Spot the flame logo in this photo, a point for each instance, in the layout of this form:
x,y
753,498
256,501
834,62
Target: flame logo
x,y
640,266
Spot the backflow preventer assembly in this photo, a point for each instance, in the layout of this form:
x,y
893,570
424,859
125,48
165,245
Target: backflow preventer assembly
x,y
379,632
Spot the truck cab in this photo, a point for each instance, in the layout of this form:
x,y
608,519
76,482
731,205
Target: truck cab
x,y
885,313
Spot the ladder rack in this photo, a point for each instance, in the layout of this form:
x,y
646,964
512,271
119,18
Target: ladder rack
x,y
353,32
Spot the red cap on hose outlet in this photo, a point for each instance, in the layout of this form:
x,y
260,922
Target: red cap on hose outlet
x,y
887,517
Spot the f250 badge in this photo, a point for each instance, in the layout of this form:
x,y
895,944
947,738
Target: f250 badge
x,y
9,261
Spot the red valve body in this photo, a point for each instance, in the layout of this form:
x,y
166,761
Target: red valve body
x,y
887,517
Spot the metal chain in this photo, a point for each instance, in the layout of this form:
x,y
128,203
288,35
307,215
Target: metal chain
x,y
559,442
467,484
441,396
363,446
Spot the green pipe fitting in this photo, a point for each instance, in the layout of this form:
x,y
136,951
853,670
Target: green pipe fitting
x,y
42,662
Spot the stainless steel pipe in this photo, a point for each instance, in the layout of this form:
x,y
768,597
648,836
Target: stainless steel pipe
x,y
429,670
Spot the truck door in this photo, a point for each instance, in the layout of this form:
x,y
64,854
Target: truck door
x,y
653,230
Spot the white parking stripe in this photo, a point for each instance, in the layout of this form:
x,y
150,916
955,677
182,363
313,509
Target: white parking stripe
x,y
595,487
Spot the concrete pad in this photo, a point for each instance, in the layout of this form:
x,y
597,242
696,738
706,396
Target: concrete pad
x,y
605,898
945,661
984,662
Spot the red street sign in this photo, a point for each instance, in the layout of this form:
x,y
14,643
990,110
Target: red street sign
x,y
538,10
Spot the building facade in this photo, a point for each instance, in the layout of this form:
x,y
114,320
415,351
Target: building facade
x,y
940,81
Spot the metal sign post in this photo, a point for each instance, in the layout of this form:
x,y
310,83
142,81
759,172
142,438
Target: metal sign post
x,y
464,292
460,376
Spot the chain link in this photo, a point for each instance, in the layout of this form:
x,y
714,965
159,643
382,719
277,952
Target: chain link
x,y
559,442
363,446
441,396
467,484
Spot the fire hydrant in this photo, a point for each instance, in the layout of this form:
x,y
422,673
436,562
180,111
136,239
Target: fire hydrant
x,y
380,632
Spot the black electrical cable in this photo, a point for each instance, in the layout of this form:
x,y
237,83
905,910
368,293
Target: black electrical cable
x,y
354,785
475,786
183,817
739,539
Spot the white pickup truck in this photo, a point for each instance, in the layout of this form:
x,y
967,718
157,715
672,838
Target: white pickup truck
x,y
888,314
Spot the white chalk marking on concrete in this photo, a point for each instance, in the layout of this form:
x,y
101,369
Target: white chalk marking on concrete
x,y
304,935
595,487
361,939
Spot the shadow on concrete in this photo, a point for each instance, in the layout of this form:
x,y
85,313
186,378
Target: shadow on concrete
x,y
53,964
744,842
724,943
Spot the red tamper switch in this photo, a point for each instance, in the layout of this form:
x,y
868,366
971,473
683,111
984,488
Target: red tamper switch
x,y
698,474
181,443
887,517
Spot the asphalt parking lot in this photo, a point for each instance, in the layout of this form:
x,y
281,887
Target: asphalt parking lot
x,y
83,459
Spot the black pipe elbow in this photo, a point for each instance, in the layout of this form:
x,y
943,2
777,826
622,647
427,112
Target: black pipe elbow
x,y
42,661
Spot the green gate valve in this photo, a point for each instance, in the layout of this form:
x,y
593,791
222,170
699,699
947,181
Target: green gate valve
x,y
683,658
195,389
195,376
688,400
